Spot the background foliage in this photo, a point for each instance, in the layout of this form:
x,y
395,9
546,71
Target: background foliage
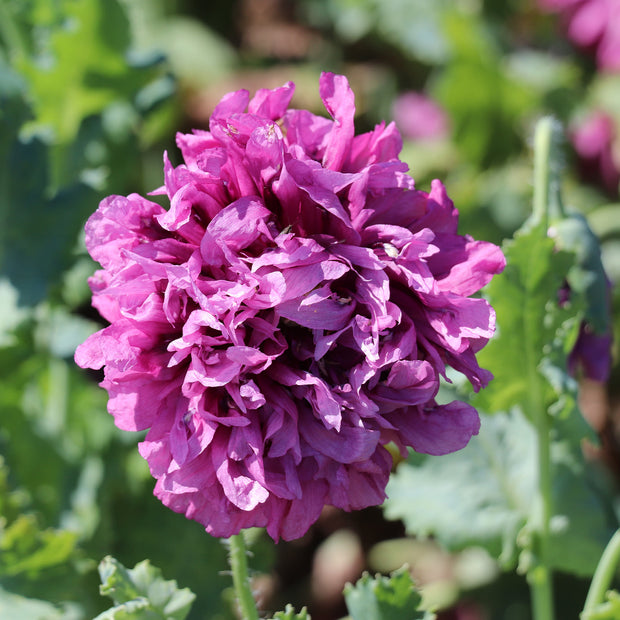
x,y
91,93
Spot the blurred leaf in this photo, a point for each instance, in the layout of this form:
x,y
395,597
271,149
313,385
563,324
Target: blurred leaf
x,y
485,102
413,26
142,593
586,277
24,548
416,26
13,112
197,54
15,607
482,495
605,220
604,92
54,419
68,89
75,85
426,157
542,72
39,231
54,402
12,315
385,598
289,614
59,332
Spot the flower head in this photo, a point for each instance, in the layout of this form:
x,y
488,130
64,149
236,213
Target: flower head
x,y
290,314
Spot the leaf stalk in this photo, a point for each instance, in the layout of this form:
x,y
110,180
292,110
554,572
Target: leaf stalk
x,y
603,576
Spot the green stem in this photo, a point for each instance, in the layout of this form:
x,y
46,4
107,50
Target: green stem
x,y
542,151
539,576
603,575
547,166
547,205
237,554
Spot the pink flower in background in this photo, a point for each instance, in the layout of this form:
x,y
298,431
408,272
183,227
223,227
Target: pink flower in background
x,y
593,139
290,314
592,25
419,118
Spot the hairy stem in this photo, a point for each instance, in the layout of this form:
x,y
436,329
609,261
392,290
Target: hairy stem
x,y
237,555
539,576
547,204
548,138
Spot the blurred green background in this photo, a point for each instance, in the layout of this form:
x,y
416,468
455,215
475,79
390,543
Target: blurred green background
x,y
91,94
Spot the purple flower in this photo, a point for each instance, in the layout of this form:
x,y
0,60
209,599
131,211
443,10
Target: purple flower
x,y
591,354
290,314
419,118
592,25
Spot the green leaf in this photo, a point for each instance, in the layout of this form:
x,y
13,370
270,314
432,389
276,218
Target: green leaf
x,y
482,495
39,232
75,85
385,598
484,101
12,315
587,276
27,549
477,496
528,354
289,614
141,593
197,54
422,38
16,607
87,106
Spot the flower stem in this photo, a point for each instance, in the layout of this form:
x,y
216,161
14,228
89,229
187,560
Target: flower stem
x,y
547,205
603,575
237,556
539,575
547,166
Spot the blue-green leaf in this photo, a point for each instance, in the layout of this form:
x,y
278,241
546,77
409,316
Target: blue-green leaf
x,y
482,496
289,614
141,593
385,598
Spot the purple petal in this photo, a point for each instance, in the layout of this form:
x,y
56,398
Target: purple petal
x,y
340,103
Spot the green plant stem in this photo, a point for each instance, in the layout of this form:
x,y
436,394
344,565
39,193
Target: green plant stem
x,y
547,166
542,151
539,576
546,203
604,573
237,555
